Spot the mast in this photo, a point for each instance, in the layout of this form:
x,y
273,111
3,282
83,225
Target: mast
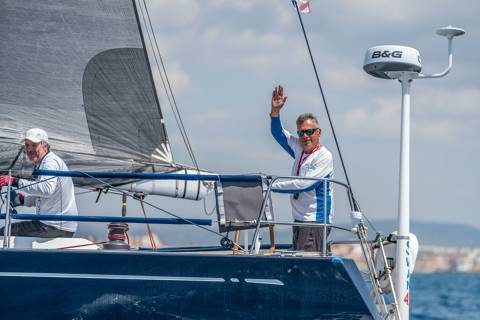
x,y
403,256
404,64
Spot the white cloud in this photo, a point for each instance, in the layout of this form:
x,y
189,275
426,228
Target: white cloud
x,y
174,14
179,79
450,115
344,73
449,101
444,130
443,116
242,39
256,51
381,121
379,11
238,5
206,116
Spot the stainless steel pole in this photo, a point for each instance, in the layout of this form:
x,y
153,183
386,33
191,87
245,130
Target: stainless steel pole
x,y
324,242
6,229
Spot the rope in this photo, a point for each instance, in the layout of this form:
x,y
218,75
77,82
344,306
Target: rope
x,y
128,238
356,207
83,245
205,210
149,230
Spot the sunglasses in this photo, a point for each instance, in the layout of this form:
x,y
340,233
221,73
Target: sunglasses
x,y
308,132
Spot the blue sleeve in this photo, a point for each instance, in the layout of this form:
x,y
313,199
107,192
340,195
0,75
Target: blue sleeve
x,y
279,135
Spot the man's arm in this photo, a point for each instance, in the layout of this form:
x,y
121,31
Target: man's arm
x,y
321,168
42,189
281,136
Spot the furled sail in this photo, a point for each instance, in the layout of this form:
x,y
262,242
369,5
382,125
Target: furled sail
x,y
79,70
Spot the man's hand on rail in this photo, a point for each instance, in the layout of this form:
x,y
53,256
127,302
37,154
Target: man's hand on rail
x,y
16,199
4,181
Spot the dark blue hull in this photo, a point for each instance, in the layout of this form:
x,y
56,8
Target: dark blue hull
x,y
147,285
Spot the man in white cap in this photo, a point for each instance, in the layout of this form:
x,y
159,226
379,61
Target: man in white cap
x,y
49,194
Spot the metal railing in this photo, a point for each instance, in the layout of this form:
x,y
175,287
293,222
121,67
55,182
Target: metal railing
x,y
8,216
326,209
10,213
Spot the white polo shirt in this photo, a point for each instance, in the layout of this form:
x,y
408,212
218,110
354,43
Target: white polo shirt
x,y
53,196
313,197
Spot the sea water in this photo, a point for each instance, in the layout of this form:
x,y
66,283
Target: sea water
x,y
445,296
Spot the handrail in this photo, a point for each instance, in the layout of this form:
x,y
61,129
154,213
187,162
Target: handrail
x,y
7,227
52,217
324,224
198,177
303,224
147,176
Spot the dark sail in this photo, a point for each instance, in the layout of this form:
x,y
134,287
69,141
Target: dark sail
x,y
78,70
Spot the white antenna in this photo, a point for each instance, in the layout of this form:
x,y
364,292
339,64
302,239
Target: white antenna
x,y
404,64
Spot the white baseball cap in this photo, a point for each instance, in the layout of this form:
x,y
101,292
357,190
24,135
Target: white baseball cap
x,y
36,135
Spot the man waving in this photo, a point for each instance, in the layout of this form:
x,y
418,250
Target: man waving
x,y
313,160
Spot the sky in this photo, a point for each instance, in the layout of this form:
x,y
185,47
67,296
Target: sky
x,y
223,59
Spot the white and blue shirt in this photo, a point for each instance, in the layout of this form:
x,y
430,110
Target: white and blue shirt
x,y
313,197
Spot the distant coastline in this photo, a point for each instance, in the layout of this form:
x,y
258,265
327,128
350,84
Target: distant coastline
x,y
430,259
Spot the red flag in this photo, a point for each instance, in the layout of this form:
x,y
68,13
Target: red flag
x,y
304,6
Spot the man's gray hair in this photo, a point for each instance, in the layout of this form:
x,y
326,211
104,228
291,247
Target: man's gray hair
x,y
45,143
304,117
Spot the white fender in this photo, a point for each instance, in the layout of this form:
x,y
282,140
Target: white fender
x,y
185,189
390,253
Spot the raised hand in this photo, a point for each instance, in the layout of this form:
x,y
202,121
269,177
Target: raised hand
x,y
278,100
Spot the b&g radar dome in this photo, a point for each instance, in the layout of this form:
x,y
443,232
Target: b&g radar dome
x,y
380,60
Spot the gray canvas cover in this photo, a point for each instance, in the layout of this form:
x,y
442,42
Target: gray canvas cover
x,y
78,70
239,204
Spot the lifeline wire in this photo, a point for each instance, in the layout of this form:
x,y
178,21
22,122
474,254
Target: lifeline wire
x,y
158,208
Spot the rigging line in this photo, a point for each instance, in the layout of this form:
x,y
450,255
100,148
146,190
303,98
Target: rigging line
x,y
150,233
16,157
84,192
158,208
159,72
168,82
205,210
370,223
173,106
169,91
83,245
355,203
150,73
169,86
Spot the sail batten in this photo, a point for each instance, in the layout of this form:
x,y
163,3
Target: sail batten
x,y
78,70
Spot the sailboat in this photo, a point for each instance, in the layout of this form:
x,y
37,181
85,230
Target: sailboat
x,y
82,70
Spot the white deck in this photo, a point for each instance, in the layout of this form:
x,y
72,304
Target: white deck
x,y
49,243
